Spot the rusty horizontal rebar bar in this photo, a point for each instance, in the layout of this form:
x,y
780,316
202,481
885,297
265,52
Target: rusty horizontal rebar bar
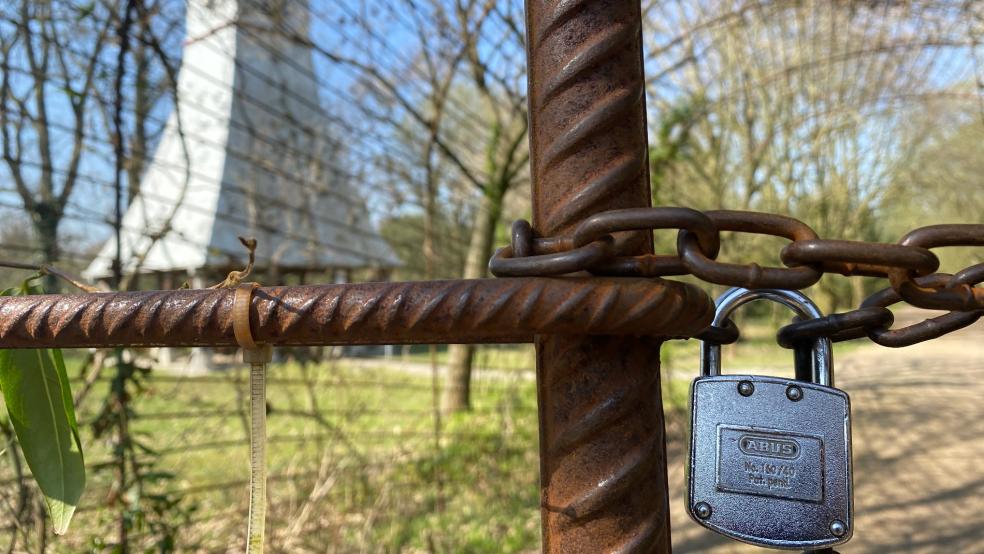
x,y
471,311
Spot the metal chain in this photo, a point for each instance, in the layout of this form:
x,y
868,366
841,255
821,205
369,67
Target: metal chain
x,y
909,266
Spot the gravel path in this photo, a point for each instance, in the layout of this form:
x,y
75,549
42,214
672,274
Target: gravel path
x,y
918,431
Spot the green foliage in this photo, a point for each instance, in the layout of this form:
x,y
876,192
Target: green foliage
x,y
490,497
405,233
145,504
672,141
941,181
39,403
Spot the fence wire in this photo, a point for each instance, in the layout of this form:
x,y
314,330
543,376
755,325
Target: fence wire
x,y
360,459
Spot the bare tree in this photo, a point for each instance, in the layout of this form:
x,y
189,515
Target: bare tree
x,y
796,107
457,109
943,178
43,80
503,161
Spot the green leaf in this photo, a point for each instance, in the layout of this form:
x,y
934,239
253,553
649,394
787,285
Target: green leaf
x,y
39,402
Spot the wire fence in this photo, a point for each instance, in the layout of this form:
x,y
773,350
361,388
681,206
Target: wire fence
x,y
360,459
826,103
363,460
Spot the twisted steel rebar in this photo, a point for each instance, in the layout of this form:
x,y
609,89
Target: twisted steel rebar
x,y
602,448
474,311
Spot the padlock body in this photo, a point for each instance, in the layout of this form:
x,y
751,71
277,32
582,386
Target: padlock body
x,y
772,466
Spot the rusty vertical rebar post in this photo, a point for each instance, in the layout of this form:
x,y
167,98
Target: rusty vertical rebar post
x,y
602,446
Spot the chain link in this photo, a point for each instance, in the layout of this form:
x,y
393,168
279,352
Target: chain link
x,y
840,327
752,276
544,257
955,295
909,266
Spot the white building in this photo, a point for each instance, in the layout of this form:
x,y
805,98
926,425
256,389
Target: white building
x,y
254,155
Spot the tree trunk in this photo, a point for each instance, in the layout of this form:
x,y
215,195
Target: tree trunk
x,y
457,393
46,226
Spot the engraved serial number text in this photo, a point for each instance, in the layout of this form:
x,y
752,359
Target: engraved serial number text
x,y
770,476
778,463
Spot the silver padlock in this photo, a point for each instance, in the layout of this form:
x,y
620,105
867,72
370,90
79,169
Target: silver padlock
x,y
770,458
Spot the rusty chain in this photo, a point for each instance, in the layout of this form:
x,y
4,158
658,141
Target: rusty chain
x,y
910,267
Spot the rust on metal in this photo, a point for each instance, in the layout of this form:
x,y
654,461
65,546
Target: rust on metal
x,y
640,219
599,225
584,248
925,330
481,310
849,257
724,334
522,240
504,263
749,275
588,124
954,295
909,266
968,275
807,257
602,448
837,327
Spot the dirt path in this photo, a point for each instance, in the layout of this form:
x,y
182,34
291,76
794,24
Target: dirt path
x,y
918,432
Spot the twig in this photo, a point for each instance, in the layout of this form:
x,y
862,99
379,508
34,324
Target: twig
x,y
97,361
327,477
45,269
68,278
19,265
23,493
235,277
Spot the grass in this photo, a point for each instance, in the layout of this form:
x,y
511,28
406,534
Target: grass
x,y
365,437
505,357
354,460
757,350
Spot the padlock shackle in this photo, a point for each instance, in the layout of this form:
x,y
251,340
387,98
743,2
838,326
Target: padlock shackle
x,y
710,353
